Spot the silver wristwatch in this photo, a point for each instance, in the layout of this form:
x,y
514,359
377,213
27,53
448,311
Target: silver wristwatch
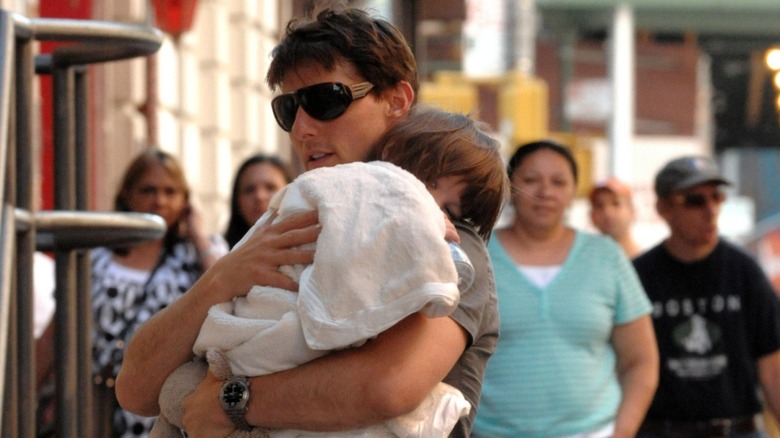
x,y
234,397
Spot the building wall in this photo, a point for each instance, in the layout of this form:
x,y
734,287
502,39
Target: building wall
x,y
666,85
25,7
211,100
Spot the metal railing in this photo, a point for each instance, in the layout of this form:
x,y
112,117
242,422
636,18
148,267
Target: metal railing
x,y
70,230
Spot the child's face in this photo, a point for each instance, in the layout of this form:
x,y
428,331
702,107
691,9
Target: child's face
x,y
447,191
611,214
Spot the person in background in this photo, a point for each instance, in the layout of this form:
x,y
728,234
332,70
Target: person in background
x,y
346,78
258,178
716,316
577,355
131,284
612,213
44,274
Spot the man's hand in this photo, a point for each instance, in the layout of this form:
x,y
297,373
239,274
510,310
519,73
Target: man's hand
x,y
257,260
164,341
203,413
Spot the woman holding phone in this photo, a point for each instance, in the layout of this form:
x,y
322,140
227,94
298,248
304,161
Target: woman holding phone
x,y
131,284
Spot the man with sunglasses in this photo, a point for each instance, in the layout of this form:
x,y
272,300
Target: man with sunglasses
x,y
345,79
715,314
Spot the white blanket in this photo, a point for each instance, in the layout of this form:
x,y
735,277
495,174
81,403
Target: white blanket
x,y
380,257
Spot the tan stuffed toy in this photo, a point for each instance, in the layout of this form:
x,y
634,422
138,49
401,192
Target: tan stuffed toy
x,y
180,384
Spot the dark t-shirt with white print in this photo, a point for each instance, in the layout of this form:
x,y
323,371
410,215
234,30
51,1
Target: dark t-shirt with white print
x,y
713,319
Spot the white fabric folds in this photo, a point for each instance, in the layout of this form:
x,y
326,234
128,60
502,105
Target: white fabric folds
x,y
380,256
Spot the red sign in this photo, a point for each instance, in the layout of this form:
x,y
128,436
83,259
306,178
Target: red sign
x,y
174,16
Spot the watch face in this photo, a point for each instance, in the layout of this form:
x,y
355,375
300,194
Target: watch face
x,y
234,394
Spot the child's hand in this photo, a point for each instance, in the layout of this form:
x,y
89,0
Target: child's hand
x,y
450,233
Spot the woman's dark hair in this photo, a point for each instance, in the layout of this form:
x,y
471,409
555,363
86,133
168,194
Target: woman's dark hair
x,y
138,167
375,48
238,226
525,150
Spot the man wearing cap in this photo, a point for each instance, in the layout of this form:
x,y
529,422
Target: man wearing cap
x,y
716,316
612,213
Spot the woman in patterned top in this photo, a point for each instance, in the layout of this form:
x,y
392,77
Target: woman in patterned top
x,y
131,284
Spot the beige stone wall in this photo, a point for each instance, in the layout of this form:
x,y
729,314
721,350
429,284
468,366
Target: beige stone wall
x,y
213,105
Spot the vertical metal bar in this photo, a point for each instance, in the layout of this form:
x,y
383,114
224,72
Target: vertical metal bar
x,y
66,313
150,106
566,55
11,401
73,316
7,322
65,345
9,394
25,246
525,37
83,271
622,65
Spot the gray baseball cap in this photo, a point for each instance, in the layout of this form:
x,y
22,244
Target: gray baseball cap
x,y
686,172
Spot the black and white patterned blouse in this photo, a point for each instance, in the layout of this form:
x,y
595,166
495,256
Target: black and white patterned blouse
x,y
122,299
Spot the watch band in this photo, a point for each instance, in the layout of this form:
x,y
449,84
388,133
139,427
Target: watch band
x,y
234,397
238,417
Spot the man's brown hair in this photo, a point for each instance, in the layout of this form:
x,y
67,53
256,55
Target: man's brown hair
x,y
374,47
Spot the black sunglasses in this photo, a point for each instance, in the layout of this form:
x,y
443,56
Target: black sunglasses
x,y
325,101
698,200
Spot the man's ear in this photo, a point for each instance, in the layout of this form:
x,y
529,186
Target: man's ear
x,y
400,99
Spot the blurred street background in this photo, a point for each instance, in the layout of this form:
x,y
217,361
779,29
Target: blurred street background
x,y
626,84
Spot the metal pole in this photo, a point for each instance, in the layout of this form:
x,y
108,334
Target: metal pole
x,y
10,418
566,54
83,271
525,37
25,246
100,42
9,347
621,68
66,341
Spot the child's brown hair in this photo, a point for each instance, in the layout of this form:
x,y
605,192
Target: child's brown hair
x,y
432,143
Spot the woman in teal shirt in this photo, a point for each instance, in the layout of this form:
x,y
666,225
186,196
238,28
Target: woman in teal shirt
x,y
577,355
